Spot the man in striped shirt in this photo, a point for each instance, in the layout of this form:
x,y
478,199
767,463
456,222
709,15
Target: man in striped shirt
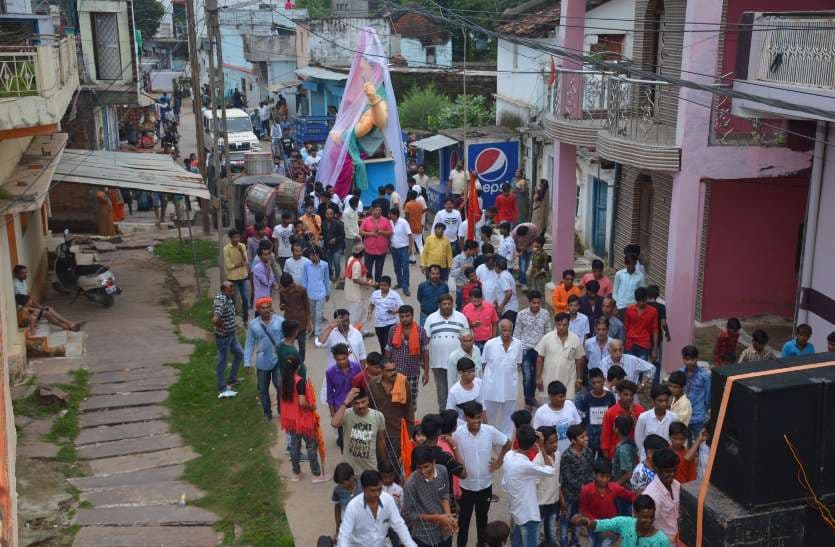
x,y
443,328
226,339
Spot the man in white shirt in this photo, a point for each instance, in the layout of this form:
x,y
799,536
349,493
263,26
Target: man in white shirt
x,y
451,219
421,178
369,517
467,349
519,478
578,322
502,356
264,118
312,160
560,357
340,331
458,180
631,365
384,304
656,420
350,220
557,413
295,264
489,279
467,388
281,234
401,242
476,441
507,302
443,327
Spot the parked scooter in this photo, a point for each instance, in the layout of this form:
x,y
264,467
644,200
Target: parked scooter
x,y
95,281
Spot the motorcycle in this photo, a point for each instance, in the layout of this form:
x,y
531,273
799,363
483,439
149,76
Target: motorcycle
x,y
95,281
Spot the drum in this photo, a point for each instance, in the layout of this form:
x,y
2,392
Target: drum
x,y
289,195
261,198
258,163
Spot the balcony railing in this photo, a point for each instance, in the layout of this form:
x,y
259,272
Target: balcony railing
x,y
730,130
796,50
580,94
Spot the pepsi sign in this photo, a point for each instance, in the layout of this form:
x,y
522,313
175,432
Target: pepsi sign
x,y
495,163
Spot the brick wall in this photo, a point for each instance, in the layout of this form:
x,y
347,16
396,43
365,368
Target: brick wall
x,y
73,207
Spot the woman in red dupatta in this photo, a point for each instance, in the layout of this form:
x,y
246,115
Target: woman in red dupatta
x,y
300,420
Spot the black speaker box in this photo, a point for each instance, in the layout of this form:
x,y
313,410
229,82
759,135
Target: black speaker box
x,y
726,523
754,465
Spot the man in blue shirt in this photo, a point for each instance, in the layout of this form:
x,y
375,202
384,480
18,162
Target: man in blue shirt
x,y
429,291
317,281
626,281
799,345
697,389
264,334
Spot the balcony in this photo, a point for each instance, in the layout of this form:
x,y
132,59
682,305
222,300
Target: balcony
x,y
578,107
638,130
37,83
726,129
793,62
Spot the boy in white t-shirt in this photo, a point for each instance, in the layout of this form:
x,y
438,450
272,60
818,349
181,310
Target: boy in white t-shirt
x,y
467,388
558,413
548,493
390,487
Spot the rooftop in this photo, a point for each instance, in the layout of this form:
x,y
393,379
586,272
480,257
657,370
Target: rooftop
x,y
489,131
414,25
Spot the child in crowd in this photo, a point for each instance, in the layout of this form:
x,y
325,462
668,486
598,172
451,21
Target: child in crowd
x,y
575,472
558,413
559,297
697,388
644,472
680,403
472,283
656,420
548,492
799,345
724,352
346,488
638,531
592,406
496,534
467,388
686,470
626,458
604,284
627,406
665,492
597,500
519,418
538,271
390,487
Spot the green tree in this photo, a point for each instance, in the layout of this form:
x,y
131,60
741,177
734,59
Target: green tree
x,y
419,106
473,108
316,8
147,15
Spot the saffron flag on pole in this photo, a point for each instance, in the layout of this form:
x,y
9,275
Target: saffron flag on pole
x,y
553,77
473,210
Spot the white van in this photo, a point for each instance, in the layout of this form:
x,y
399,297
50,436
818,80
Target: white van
x,y
241,137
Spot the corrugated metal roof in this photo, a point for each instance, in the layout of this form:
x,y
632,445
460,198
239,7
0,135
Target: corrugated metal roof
x,y
320,73
435,142
135,170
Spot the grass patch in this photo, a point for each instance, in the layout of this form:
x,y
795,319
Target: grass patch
x,y
172,252
200,314
235,467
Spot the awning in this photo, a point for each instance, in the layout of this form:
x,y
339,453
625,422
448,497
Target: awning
x,y
320,74
28,184
275,88
135,170
435,142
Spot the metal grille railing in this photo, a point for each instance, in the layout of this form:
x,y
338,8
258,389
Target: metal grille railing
x,y
18,71
798,50
581,90
632,110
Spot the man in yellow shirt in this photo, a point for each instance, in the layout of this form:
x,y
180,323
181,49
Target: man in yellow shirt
x,y
237,269
437,250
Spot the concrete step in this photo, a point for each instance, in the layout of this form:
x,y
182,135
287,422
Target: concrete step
x,y
143,398
148,384
132,375
131,478
37,449
105,434
122,416
149,460
126,447
160,515
154,493
147,536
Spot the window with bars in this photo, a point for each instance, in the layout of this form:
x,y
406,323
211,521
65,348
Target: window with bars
x,y
106,51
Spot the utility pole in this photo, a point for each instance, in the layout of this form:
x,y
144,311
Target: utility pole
x,y
195,105
213,28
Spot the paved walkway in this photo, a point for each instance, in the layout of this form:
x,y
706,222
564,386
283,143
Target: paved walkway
x,y
135,462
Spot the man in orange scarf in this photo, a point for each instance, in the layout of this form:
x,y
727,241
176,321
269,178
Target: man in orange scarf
x,y
408,348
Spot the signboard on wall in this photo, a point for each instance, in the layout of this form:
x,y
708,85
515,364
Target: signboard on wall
x,y
495,163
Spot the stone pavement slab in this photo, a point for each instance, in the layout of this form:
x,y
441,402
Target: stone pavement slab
x,y
130,446
104,434
147,536
131,375
56,365
168,515
120,400
154,493
123,416
157,474
37,428
37,449
122,366
149,460
148,384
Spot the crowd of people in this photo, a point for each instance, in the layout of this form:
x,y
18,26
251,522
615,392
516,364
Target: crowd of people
x,y
577,452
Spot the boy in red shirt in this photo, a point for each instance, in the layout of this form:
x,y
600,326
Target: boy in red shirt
x,y
641,324
724,352
597,498
506,206
626,405
519,418
686,470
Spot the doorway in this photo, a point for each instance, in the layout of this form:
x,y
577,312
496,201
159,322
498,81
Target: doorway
x,y
600,195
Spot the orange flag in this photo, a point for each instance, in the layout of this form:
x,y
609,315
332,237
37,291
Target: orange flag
x,y
553,77
405,448
473,210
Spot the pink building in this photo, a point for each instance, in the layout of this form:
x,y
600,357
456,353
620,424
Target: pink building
x,y
727,198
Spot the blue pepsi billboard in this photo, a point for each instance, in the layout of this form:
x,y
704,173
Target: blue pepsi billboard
x,y
495,163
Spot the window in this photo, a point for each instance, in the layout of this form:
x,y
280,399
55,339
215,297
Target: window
x,y
108,58
431,57
609,47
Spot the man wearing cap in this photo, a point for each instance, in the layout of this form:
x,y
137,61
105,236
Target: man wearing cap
x,y
340,331
264,335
